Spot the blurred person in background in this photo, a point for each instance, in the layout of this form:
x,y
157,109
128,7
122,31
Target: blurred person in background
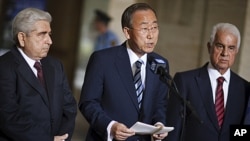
x,y
106,38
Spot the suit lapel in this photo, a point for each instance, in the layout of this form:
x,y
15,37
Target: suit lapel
x,y
149,85
234,99
49,76
124,69
29,76
204,85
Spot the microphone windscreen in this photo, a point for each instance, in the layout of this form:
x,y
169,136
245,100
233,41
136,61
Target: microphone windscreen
x,y
155,64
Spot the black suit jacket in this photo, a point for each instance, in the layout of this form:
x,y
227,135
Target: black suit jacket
x,y
108,93
28,112
247,114
195,87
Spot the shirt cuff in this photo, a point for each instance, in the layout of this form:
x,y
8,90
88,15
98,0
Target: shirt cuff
x,y
110,137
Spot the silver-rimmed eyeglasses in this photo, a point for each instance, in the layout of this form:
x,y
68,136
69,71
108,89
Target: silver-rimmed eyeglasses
x,y
146,30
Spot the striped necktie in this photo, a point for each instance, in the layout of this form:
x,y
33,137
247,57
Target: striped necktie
x,y
219,101
138,82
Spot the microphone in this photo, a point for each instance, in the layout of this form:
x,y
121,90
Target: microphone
x,y
158,66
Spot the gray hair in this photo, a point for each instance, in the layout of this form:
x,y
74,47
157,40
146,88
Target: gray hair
x,y
225,27
24,21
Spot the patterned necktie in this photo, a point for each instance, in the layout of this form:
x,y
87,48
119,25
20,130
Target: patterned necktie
x,y
219,101
138,82
38,67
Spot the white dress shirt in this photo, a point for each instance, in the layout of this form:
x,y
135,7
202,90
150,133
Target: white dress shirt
x,y
30,61
213,75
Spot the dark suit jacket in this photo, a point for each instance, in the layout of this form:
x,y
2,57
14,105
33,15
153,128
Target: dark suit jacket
x,y
247,115
108,93
27,111
195,87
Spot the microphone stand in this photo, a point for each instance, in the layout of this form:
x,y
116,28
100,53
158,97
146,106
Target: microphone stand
x,y
168,80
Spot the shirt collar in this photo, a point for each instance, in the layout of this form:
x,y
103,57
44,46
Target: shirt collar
x,y
215,73
30,61
133,57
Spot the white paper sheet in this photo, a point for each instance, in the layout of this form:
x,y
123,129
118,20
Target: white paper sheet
x,y
142,128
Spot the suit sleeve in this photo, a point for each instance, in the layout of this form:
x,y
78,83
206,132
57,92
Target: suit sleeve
x,y
69,109
91,96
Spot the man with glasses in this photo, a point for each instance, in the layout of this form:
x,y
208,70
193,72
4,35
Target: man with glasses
x,y
119,87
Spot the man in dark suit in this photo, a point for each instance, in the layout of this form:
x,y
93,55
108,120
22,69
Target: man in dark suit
x,y
35,105
210,118
109,98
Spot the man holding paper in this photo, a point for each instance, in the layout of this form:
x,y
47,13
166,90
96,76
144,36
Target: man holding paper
x,y
119,86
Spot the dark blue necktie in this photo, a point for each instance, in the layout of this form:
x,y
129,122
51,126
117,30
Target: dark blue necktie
x,y
138,82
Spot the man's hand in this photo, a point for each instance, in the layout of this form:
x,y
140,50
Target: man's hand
x,y
61,138
120,132
159,136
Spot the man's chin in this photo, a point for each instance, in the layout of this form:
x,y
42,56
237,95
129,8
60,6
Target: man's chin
x,y
149,51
